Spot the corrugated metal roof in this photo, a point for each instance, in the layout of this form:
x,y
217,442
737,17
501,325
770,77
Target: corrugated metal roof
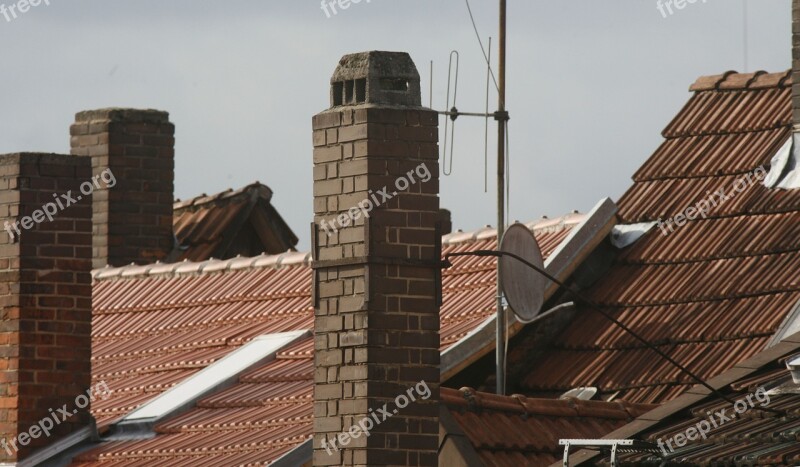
x,y
710,293
155,325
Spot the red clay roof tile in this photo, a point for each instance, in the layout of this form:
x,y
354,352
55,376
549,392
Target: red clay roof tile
x,y
156,327
515,430
709,293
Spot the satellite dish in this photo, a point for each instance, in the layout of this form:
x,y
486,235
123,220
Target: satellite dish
x,y
523,286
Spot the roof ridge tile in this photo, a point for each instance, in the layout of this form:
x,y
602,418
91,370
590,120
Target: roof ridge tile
x,y
734,81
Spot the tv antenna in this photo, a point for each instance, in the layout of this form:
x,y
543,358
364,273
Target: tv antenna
x,y
501,116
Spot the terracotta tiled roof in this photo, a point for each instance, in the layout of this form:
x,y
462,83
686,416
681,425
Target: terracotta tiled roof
x,y
515,431
230,223
155,325
710,293
158,327
760,438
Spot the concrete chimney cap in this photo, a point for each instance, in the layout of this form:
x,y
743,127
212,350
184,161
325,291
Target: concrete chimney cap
x,y
376,77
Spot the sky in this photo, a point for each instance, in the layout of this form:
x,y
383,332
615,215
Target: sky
x,y
591,84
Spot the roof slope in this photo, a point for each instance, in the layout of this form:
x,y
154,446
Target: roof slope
x,y
710,293
514,431
760,438
230,223
156,325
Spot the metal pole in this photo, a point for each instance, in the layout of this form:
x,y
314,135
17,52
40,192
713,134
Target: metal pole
x,y
501,222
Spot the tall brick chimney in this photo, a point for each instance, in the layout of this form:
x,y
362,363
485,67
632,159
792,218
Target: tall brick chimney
x,y
133,220
45,299
377,257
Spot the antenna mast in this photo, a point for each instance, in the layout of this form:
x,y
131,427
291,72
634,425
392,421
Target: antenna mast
x,y
502,118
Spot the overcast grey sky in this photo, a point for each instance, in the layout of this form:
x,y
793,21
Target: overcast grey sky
x,y
591,84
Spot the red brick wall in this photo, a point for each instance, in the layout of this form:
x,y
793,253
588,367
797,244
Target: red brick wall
x,y
45,297
376,300
132,221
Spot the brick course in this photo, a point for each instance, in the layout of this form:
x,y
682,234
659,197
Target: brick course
x,y
132,220
375,284
45,298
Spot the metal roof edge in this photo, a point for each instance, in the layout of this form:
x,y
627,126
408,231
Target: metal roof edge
x,y
46,455
580,242
697,393
142,427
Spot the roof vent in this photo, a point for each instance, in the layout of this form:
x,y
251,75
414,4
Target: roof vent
x,y
584,393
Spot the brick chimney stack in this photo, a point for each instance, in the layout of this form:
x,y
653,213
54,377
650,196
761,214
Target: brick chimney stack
x,y
133,220
45,299
377,248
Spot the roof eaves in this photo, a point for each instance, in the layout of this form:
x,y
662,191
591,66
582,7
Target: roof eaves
x,y
789,345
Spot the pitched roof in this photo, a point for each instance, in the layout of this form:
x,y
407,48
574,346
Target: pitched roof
x,y
230,223
742,433
513,431
709,293
762,438
156,325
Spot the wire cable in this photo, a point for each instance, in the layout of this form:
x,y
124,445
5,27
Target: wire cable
x,y
592,306
486,126
478,35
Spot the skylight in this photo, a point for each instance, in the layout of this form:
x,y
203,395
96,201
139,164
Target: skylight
x,y
213,377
